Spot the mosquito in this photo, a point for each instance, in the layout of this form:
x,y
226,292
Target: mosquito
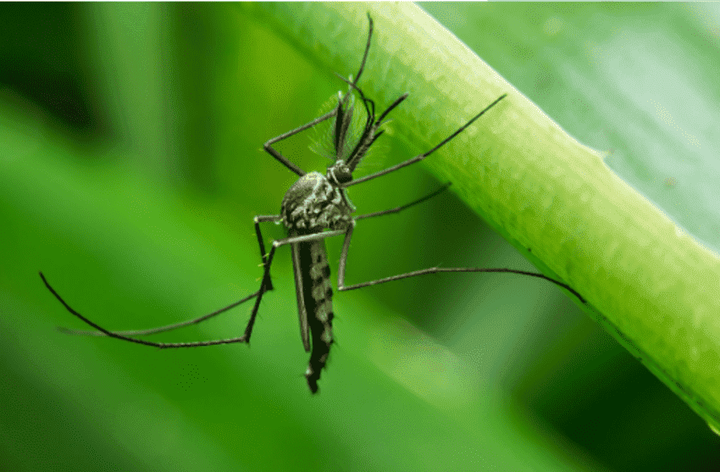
x,y
317,207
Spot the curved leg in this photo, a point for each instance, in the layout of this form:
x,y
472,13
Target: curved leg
x,y
284,160
159,329
264,219
432,270
406,206
170,327
111,334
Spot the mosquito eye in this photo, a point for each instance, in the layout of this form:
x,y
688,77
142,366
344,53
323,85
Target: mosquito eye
x,y
343,175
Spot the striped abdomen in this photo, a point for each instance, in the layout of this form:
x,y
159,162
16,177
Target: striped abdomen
x,y
314,292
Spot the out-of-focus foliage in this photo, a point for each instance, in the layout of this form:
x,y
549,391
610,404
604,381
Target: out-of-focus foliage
x,y
131,167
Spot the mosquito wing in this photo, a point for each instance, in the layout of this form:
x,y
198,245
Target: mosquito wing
x,y
300,292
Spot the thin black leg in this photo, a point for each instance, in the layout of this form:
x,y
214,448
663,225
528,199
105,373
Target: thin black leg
x,y
284,160
111,334
160,329
439,270
170,327
264,219
406,206
432,270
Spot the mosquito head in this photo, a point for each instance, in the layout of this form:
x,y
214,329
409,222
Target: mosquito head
x,y
345,155
353,130
339,173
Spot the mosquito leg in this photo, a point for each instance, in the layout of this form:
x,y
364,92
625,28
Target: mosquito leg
x,y
349,231
111,334
406,206
367,50
426,154
160,329
264,219
438,270
170,327
432,270
284,160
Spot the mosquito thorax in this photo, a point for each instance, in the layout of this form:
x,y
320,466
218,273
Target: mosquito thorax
x,y
313,204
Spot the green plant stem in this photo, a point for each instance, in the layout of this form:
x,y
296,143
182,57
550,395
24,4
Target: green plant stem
x,y
652,286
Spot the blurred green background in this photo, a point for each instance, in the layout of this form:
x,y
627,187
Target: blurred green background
x,y
130,170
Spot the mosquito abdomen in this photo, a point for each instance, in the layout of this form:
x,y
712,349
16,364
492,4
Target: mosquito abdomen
x,y
317,292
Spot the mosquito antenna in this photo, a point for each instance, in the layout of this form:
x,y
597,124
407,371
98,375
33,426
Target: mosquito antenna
x,y
367,50
363,145
364,59
426,154
368,135
397,102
